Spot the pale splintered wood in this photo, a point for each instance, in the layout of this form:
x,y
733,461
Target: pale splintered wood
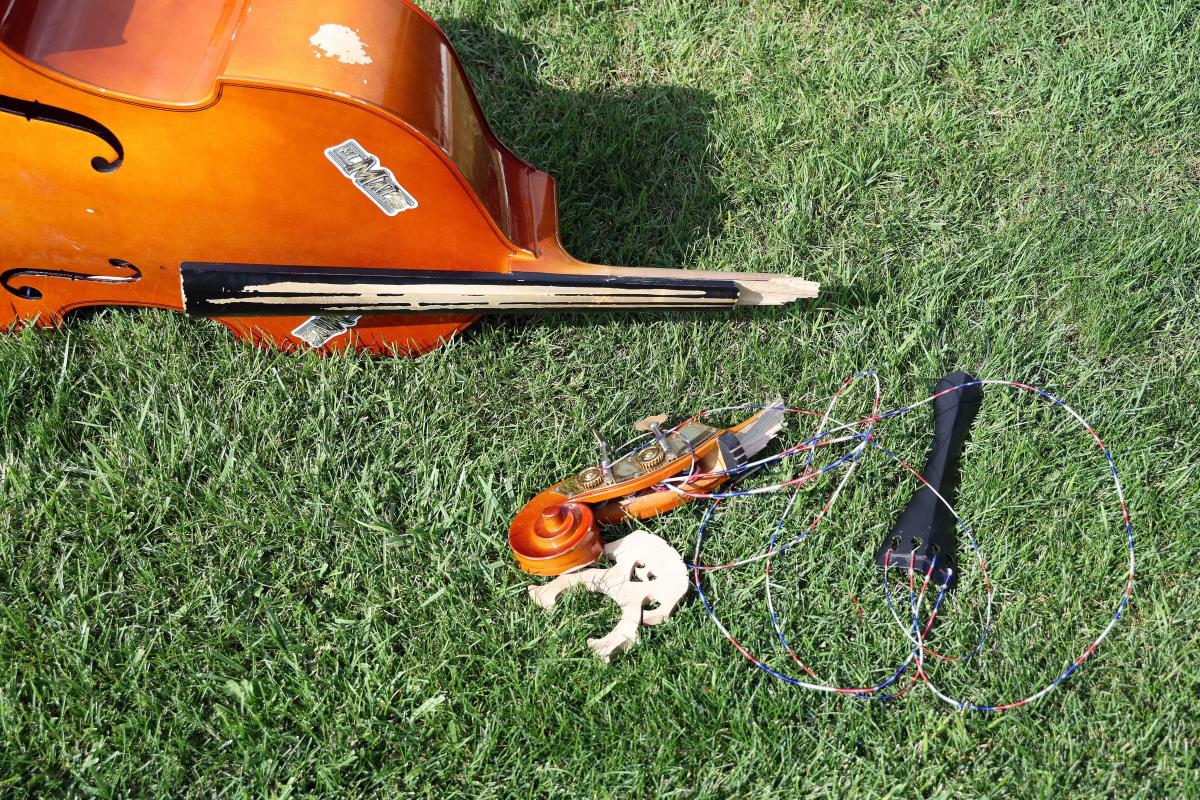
x,y
799,286
757,288
775,290
467,297
618,288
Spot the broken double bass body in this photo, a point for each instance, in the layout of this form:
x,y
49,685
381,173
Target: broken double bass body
x,y
313,175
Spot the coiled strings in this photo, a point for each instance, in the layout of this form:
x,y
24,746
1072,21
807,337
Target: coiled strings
x,y
911,621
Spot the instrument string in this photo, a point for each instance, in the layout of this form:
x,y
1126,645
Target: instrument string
x,y
864,433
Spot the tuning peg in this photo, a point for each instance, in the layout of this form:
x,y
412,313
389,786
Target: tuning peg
x,y
605,463
654,426
650,423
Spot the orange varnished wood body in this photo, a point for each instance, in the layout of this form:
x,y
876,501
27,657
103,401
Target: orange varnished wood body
x,y
224,108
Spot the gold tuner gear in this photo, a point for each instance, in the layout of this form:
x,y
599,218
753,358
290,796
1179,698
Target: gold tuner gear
x,y
648,458
590,478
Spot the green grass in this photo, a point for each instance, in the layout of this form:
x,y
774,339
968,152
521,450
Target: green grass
x,y
236,573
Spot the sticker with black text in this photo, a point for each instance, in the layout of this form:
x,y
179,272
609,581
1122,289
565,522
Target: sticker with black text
x,y
373,179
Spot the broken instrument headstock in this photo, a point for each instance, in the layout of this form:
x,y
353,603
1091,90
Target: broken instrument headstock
x,y
558,530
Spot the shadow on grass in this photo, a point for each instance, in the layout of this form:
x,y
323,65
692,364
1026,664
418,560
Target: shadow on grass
x,y
631,162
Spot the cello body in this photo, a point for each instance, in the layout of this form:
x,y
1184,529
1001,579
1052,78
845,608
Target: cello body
x,y
157,150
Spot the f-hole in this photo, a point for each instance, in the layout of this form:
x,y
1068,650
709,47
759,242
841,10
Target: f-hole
x,y
33,111
131,275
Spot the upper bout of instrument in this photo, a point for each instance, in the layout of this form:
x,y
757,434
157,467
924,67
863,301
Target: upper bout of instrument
x,y
386,57
391,57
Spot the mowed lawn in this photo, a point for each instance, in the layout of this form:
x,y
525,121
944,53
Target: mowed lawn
x,y
226,572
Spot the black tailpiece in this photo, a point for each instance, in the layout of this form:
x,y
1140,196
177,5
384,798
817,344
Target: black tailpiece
x,y
926,529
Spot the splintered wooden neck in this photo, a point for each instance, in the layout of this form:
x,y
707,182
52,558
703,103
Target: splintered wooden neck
x,y
224,290
755,288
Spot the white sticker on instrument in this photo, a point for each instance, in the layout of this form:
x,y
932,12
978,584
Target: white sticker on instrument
x,y
372,178
317,331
